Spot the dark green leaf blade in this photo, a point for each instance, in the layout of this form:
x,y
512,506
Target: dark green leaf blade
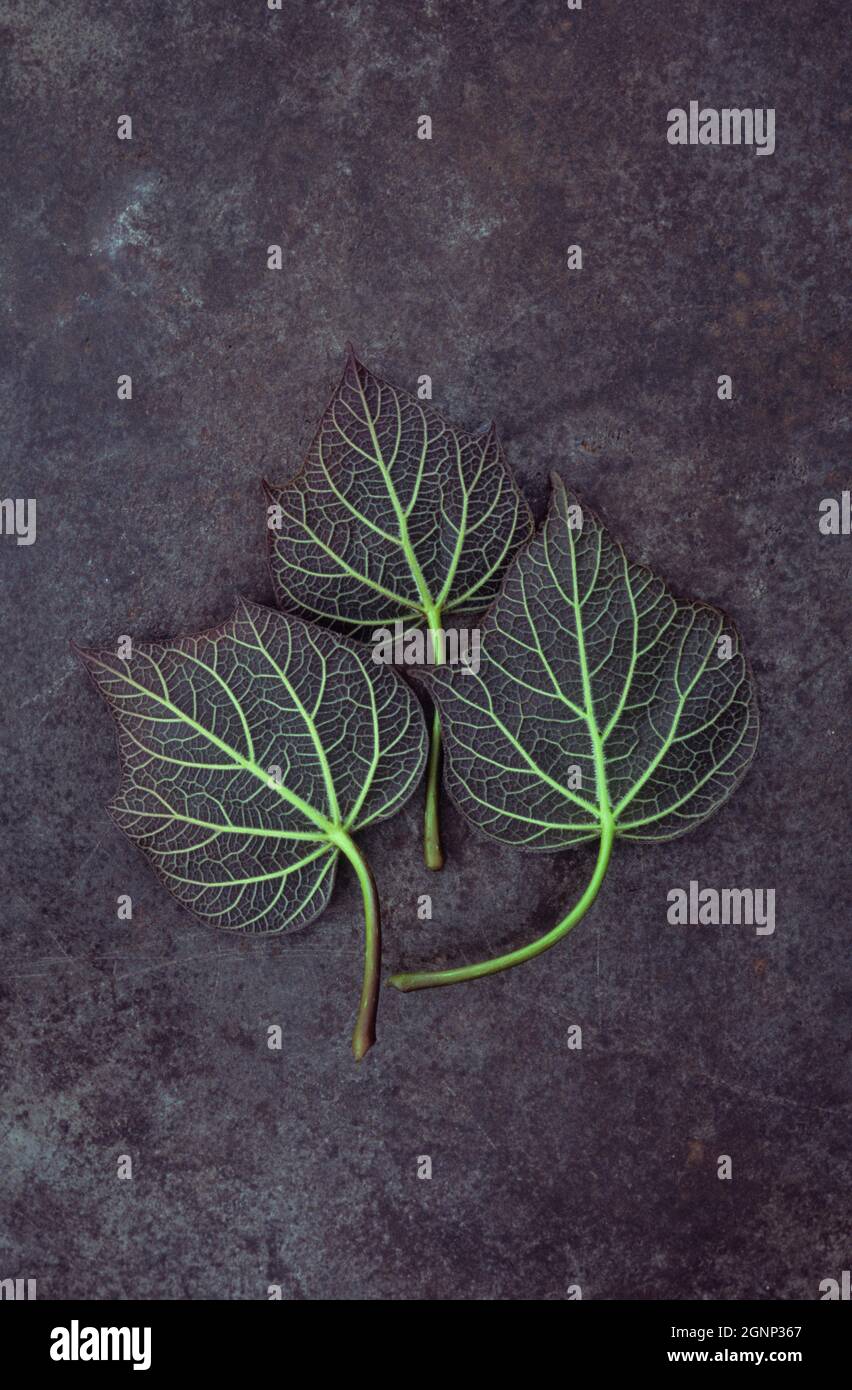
x,y
599,696
395,513
250,754
395,516
603,708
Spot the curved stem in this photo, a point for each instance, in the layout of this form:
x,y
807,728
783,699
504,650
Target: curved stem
x,y
428,979
365,1024
433,853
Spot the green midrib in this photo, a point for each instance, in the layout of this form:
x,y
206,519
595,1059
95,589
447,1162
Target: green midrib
x,y
604,809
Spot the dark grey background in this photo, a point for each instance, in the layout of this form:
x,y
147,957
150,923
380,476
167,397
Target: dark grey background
x,y
551,1167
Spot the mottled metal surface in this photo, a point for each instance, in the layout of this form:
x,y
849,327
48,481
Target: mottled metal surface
x,y
551,1167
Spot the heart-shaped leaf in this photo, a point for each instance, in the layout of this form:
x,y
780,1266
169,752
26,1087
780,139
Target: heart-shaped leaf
x,y
603,708
250,754
395,516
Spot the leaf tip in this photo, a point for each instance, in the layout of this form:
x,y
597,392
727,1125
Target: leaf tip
x,y
83,654
246,606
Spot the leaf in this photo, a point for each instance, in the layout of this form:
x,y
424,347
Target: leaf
x,y
251,753
395,515
603,708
